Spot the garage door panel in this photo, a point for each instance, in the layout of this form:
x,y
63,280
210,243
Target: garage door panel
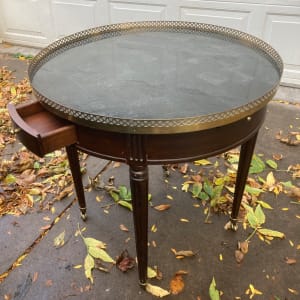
x,y
67,13
126,12
278,31
234,19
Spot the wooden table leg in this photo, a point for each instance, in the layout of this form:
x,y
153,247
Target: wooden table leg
x,y
77,178
139,192
246,154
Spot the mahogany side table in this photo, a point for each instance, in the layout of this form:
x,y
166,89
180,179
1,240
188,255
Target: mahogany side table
x,y
155,93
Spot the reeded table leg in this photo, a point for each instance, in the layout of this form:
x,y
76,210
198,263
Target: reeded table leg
x,y
139,192
246,153
77,178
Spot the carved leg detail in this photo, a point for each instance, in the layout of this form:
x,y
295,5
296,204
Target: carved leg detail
x,y
139,190
77,179
247,150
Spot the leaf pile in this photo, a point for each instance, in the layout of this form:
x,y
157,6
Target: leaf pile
x,y
25,178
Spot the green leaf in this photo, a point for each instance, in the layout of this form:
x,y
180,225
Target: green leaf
x,y
259,214
89,264
10,179
208,188
123,192
203,196
114,195
214,294
252,219
272,233
253,191
100,253
196,189
257,165
264,204
91,242
271,163
287,184
125,204
36,165
217,190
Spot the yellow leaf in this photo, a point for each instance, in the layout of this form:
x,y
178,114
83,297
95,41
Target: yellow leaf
x,y
89,264
184,220
202,162
170,197
270,179
59,241
151,273
100,253
153,228
291,243
293,291
77,267
91,242
156,290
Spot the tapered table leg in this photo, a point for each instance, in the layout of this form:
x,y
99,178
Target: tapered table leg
x,y
246,153
77,178
139,192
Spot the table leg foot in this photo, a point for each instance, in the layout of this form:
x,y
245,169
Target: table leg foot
x,y
246,153
139,191
77,178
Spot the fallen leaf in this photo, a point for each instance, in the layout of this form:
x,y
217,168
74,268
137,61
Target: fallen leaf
x,y
49,283
101,254
156,290
123,227
176,284
162,207
59,241
277,156
239,256
151,273
271,233
293,291
91,242
290,261
89,264
183,253
214,294
243,246
35,276
125,262
184,220
202,162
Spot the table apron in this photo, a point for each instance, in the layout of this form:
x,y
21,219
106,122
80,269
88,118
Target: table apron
x,y
168,148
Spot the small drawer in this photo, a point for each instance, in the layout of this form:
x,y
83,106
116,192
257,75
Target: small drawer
x,y
39,130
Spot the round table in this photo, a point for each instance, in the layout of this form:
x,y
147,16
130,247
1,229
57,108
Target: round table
x,y
155,93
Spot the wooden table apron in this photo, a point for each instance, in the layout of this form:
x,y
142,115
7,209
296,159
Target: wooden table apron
x,y
141,150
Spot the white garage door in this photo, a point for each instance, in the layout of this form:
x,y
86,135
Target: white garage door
x,y
39,22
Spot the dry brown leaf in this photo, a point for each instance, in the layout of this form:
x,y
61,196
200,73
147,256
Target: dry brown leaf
x,y
123,228
290,261
176,284
162,207
183,253
35,276
243,246
125,262
277,156
239,256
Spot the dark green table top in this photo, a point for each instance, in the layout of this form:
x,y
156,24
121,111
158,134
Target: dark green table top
x,y
163,75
